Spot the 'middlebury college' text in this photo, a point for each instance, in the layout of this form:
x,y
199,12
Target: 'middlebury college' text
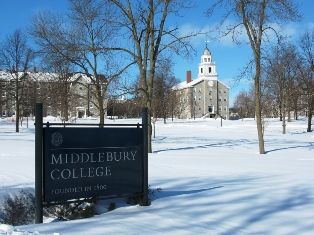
x,y
75,165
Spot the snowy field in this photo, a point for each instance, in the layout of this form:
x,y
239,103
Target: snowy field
x,y
211,180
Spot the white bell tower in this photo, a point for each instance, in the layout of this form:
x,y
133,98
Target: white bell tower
x,y
207,68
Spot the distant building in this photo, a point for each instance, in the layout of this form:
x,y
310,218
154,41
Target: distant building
x,y
70,95
205,96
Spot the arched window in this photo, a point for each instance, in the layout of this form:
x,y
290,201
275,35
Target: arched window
x,y
209,69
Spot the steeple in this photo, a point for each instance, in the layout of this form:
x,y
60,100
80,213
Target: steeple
x,y
207,68
206,51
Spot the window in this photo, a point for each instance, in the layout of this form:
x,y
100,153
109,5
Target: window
x,y
199,98
201,70
205,59
225,99
209,69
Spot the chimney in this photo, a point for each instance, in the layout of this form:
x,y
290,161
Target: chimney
x,y
188,76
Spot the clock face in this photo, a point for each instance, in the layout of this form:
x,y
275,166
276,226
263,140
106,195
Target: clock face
x,y
210,83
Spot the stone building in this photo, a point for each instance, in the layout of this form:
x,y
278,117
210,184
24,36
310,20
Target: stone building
x,y
205,96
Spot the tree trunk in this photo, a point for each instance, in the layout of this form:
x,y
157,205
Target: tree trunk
x,y
309,120
283,120
17,107
66,104
280,112
149,120
295,114
258,109
100,105
101,116
309,123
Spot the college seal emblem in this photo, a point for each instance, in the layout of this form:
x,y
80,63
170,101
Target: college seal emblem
x,y
56,139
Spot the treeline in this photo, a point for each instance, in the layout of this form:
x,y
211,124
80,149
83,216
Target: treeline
x,y
287,83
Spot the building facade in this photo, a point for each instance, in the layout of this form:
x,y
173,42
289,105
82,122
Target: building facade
x,y
205,96
66,96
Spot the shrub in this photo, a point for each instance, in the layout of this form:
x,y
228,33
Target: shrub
x,y
77,210
19,209
138,198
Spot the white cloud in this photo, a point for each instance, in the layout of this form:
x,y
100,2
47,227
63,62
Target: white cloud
x,y
214,33
194,29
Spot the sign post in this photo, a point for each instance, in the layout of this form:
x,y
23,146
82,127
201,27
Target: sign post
x,y
39,163
145,156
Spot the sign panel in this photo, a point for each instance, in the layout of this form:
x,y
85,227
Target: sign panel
x,y
90,162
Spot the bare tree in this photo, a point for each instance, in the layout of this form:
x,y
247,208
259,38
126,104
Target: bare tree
x,y
81,38
61,74
257,17
163,94
145,23
281,76
244,104
307,74
15,57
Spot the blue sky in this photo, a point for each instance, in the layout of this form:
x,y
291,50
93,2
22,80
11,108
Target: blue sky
x,y
230,58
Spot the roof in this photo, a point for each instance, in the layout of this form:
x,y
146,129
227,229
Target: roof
x,y
184,84
44,76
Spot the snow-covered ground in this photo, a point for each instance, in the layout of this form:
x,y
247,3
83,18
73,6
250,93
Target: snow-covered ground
x,y
211,179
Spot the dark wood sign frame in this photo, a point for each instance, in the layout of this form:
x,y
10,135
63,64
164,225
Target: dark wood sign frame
x,y
111,162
